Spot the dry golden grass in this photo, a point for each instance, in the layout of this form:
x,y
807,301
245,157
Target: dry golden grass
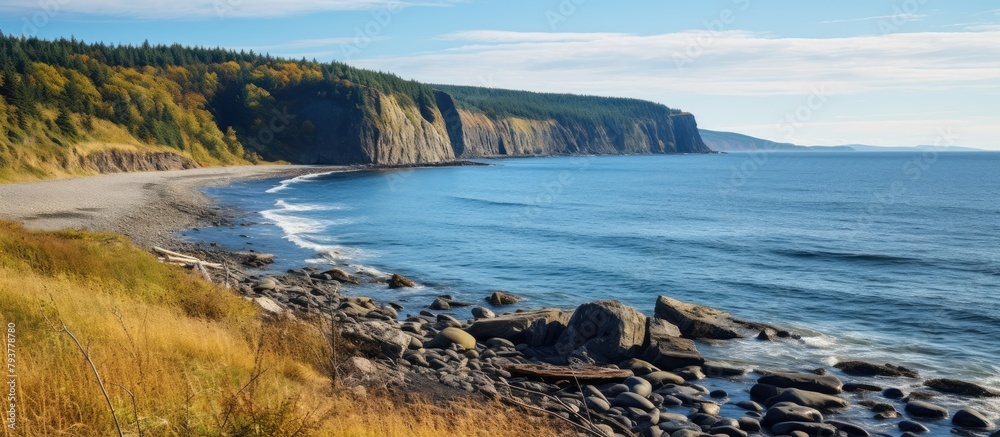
x,y
179,356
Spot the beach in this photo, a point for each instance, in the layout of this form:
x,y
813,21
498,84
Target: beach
x,y
147,207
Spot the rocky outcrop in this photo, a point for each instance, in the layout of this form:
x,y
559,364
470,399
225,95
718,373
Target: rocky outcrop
x,y
124,161
607,331
535,328
700,322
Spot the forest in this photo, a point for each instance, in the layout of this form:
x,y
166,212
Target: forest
x,y
63,100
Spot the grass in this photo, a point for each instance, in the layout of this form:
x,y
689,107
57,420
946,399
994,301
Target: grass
x,y
180,356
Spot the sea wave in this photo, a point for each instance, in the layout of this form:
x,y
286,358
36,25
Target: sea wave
x,y
283,185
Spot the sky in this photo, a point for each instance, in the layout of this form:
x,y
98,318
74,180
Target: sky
x,y
901,72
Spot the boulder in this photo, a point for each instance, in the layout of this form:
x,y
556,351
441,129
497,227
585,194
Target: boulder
x,y
535,328
788,412
911,426
265,284
697,321
969,418
660,378
638,366
399,281
606,330
749,424
629,399
639,386
729,431
376,337
809,428
826,384
819,401
665,349
499,298
342,276
861,368
449,336
926,410
716,369
482,313
440,304
849,429
961,388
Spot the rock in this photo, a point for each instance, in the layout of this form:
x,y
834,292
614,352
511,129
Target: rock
x,y
911,426
362,366
269,305
398,281
787,412
750,406
639,386
719,394
440,304
606,330
926,410
715,369
499,298
265,284
690,373
342,276
637,366
482,313
969,418
449,336
819,401
861,368
730,431
629,399
661,378
598,404
377,338
709,408
535,328
893,393
697,321
671,353
960,388
810,428
826,384
849,429
763,392
853,388
919,396
658,328
749,424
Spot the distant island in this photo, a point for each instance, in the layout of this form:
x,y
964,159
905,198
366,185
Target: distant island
x,y
734,142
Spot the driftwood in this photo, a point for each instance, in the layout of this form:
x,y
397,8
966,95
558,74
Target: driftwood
x,y
185,260
580,373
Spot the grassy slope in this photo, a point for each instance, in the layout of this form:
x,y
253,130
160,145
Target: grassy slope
x,y
187,350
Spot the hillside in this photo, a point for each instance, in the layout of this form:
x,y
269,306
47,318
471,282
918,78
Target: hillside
x,y
734,142
68,108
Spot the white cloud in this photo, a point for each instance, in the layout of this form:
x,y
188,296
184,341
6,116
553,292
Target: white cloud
x,y
903,17
700,62
499,36
202,9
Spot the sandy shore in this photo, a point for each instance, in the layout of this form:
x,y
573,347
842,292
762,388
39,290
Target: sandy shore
x,y
146,207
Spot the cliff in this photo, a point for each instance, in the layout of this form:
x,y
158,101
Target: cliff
x,y
72,108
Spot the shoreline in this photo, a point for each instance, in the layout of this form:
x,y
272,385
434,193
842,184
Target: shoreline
x,y
150,207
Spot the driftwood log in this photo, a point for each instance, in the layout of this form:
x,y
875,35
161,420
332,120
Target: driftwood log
x,y
549,372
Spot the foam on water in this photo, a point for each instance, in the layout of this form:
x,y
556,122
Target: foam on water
x,y
283,185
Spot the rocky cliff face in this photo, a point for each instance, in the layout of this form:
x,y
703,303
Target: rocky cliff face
x,y
386,131
123,161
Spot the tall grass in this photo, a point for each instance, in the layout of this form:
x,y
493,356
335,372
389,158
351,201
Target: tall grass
x,y
179,356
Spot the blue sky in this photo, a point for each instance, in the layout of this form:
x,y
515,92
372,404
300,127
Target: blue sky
x,y
898,72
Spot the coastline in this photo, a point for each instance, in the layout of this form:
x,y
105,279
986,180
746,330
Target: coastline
x,y
150,207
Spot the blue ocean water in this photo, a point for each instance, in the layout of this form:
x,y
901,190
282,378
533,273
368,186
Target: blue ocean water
x,y
887,257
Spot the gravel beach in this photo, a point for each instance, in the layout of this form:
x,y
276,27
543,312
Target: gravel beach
x,y
147,207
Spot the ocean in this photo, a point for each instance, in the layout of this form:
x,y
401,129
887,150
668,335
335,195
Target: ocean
x,y
884,257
